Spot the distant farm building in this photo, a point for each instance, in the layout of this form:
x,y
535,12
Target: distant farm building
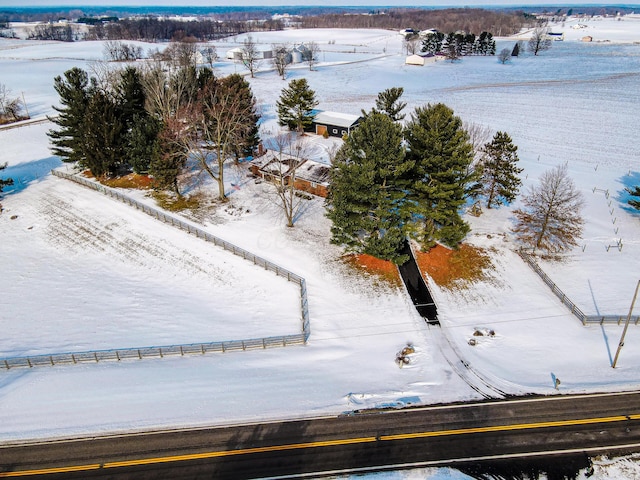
x,y
237,54
334,124
588,38
421,59
558,37
307,176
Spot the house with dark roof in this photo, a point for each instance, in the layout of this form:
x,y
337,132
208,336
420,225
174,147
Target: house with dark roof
x,y
334,123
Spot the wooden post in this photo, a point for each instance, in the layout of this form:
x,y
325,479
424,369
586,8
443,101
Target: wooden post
x,y
626,325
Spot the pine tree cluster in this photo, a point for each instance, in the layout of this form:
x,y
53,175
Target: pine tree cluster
x,y
149,121
459,44
390,182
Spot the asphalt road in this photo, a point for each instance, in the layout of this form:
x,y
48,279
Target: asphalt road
x,y
430,436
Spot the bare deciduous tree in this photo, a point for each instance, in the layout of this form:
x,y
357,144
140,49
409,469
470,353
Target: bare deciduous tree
x,y
290,153
479,135
10,107
281,59
539,41
312,55
551,219
504,56
411,43
221,118
210,55
250,55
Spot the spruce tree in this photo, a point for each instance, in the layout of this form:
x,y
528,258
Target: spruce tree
x,y
296,104
440,150
75,91
498,170
635,192
367,190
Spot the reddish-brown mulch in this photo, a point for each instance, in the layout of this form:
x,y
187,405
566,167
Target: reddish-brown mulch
x,y
383,269
448,268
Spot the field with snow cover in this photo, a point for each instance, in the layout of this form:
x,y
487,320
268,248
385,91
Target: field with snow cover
x,y
81,271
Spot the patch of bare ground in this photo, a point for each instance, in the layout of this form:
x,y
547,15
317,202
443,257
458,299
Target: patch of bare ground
x,y
382,271
456,269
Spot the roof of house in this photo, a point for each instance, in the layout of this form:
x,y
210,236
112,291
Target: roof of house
x,y
314,172
281,164
335,118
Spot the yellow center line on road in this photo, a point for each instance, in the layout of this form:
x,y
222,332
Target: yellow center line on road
x,y
518,426
327,443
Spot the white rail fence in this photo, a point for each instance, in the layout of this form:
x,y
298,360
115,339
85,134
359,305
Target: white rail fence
x,y
585,319
140,353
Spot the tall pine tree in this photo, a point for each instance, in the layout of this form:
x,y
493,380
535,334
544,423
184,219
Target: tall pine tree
x,y
367,190
498,170
296,104
75,91
440,150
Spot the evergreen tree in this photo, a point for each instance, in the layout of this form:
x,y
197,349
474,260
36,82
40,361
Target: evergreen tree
x,y
432,42
248,136
130,95
441,152
75,91
367,191
498,170
516,50
635,192
388,102
296,104
104,136
142,142
167,165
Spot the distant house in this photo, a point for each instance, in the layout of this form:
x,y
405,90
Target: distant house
x,y
307,175
588,38
558,37
334,123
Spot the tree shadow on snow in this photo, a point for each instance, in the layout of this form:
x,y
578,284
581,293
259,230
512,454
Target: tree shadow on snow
x,y
25,173
631,180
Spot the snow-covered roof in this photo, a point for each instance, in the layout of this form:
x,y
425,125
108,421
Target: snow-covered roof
x,y
336,118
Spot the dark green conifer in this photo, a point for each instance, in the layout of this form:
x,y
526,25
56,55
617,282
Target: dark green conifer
x,y
367,191
441,153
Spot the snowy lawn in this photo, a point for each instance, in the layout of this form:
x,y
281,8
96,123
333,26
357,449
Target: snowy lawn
x,y
82,271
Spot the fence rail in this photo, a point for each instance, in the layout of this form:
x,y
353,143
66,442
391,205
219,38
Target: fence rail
x,y
185,349
96,356
585,319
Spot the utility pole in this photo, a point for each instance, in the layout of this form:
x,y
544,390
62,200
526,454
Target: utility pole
x,y
626,325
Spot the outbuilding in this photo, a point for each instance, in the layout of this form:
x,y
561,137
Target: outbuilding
x,y
334,124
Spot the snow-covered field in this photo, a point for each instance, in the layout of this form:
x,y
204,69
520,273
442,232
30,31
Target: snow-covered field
x,y
81,271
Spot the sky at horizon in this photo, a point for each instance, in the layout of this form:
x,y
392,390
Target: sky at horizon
x,y
284,3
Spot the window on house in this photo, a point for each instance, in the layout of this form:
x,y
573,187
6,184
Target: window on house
x,y
335,130
344,132
314,185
